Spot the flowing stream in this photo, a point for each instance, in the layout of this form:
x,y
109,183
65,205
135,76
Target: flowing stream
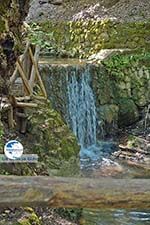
x,y
82,119
82,114
83,122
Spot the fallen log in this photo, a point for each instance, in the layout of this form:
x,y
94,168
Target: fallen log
x,y
74,192
134,150
143,166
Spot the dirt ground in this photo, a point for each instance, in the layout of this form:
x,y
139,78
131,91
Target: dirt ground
x,y
120,10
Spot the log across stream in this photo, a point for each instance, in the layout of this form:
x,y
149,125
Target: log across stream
x,y
74,192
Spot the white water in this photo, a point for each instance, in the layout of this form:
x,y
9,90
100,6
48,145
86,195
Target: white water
x,y
81,108
81,118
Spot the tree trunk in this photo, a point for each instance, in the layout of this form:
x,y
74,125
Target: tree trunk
x,y
12,14
72,192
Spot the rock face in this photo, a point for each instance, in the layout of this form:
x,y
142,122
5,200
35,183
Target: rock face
x,y
131,10
120,91
128,112
125,84
53,139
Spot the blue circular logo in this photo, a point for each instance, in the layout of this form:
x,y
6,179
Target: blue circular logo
x,y
13,149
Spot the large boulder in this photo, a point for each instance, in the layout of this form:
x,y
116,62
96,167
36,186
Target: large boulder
x,y
53,139
108,115
128,112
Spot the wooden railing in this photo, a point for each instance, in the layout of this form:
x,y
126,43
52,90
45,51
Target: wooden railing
x,y
27,70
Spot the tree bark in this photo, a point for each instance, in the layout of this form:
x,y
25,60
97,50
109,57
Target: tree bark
x,y
73,192
12,14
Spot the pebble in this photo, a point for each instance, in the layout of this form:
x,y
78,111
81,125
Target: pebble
x,y
148,147
148,137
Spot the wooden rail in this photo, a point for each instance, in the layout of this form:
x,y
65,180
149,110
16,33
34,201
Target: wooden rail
x,y
74,192
27,70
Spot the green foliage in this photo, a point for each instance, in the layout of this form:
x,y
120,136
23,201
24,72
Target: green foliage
x,y
84,38
118,63
30,219
70,214
41,38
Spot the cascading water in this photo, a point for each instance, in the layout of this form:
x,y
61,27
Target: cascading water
x,y
70,92
82,109
82,114
82,118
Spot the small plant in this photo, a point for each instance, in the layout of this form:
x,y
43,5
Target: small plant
x,y
38,37
117,63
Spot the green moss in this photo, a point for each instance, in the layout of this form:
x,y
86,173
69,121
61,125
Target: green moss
x,y
24,222
2,26
30,220
54,142
4,6
128,112
83,38
109,113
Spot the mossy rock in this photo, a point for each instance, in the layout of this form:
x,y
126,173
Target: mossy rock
x,y
29,219
108,117
20,216
2,26
84,38
48,137
128,112
51,135
109,113
4,6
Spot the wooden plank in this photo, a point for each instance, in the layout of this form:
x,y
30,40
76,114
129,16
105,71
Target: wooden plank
x,y
14,76
10,118
15,73
33,71
134,150
26,105
37,73
25,98
74,192
12,100
24,79
29,98
26,64
21,115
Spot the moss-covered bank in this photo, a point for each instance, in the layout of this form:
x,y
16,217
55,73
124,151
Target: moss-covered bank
x,y
50,138
83,38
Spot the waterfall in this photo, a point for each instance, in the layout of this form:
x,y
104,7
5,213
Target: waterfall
x,y
81,107
70,91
